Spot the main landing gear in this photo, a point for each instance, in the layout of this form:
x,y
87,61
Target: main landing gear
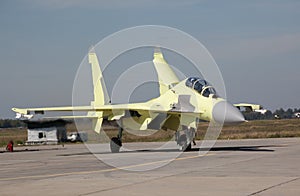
x,y
185,139
116,142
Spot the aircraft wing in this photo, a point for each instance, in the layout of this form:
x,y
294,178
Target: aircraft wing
x,y
111,112
26,111
107,109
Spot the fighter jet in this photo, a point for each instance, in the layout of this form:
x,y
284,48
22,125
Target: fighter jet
x,y
179,107
250,107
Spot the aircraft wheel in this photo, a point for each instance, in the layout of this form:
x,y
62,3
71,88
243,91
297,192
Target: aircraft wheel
x,y
182,141
115,145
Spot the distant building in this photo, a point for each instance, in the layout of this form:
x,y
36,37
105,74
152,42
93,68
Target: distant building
x,y
46,132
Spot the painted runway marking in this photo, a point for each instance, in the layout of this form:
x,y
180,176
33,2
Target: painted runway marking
x,y
102,170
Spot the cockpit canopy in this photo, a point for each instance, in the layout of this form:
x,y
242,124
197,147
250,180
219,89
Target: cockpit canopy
x,y
201,86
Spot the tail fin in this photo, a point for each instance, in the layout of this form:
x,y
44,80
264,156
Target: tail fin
x,y
166,76
100,91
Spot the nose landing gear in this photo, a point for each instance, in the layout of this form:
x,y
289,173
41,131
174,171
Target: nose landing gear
x,y
185,139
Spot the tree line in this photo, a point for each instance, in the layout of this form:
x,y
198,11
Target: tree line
x,y
11,123
277,114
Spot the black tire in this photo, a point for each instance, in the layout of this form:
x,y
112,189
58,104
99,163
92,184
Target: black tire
x,y
115,145
188,147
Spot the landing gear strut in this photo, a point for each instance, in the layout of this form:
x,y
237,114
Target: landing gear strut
x,y
185,138
116,142
183,143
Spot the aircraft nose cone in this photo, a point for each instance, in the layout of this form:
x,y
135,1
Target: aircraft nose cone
x,y
224,112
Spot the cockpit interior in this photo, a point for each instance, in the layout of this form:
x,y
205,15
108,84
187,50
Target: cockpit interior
x,y
201,86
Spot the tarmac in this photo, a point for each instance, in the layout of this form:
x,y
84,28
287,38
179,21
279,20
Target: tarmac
x,y
231,167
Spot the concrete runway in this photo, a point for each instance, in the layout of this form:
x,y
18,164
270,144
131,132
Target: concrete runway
x,y
233,167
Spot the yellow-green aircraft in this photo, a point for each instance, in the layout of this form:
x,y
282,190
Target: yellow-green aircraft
x,y
179,107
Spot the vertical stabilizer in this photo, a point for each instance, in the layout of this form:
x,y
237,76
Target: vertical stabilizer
x,y
166,76
100,92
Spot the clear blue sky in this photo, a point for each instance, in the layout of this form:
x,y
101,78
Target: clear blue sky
x,y
255,43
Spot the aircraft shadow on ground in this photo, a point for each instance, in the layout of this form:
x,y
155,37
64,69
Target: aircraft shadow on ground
x,y
259,148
